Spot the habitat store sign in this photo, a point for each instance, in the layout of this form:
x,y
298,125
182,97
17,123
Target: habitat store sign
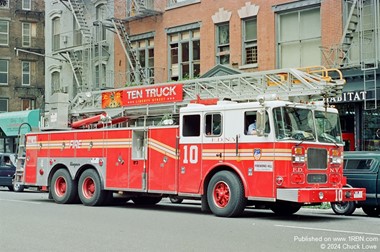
x,y
352,96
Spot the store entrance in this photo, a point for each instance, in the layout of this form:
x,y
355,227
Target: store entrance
x,y
347,122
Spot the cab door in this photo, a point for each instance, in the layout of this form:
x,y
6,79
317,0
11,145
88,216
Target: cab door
x,y
190,149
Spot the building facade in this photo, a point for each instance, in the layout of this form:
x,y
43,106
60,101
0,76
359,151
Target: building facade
x,y
22,65
102,44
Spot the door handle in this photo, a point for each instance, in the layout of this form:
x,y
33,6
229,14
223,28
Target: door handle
x,y
219,155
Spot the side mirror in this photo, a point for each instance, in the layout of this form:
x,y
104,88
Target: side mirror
x,y
260,122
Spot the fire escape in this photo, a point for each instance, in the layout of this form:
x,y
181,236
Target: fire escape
x,y
80,57
359,45
136,9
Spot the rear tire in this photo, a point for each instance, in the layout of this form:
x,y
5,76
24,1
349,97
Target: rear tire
x,y
62,188
343,208
225,194
89,189
18,187
371,211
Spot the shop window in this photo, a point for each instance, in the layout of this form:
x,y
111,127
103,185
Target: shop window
x,y
223,43
299,38
371,130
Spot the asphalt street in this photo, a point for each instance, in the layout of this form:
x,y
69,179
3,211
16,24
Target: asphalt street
x,y
29,221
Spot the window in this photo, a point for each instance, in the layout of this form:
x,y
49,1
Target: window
x,y
26,4
77,36
191,125
25,73
56,33
3,72
101,15
100,75
27,104
223,44
144,50
4,4
250,123
55,82
26,32
250,41
3,105
173,3
358,164
4,32
213,125
184,58
299,38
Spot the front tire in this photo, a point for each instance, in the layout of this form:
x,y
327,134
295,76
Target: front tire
x,y
343,208
89,189
62,188
371,211
225,194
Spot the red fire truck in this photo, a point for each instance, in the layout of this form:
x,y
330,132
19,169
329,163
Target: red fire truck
x,y
191,140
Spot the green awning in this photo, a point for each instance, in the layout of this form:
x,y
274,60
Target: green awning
x,y
11,121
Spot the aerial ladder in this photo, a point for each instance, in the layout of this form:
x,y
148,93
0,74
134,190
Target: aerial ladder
x,y
293,84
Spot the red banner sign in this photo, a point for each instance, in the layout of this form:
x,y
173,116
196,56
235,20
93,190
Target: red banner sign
x,y
142,96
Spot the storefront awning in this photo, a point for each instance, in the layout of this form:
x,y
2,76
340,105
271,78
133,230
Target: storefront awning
x,y
11,121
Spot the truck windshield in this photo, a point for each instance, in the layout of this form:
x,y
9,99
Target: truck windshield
x,y
294,123
302,124
328,127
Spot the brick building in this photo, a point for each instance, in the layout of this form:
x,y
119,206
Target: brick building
x,y
21,73
22,65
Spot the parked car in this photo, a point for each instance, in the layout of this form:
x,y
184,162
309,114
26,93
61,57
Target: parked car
x,y
362,170
7,169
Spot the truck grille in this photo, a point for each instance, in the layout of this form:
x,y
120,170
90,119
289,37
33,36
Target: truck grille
x,y
316,178
316,159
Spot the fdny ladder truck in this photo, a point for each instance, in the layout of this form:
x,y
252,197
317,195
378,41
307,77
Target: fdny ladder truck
x,y
190,140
